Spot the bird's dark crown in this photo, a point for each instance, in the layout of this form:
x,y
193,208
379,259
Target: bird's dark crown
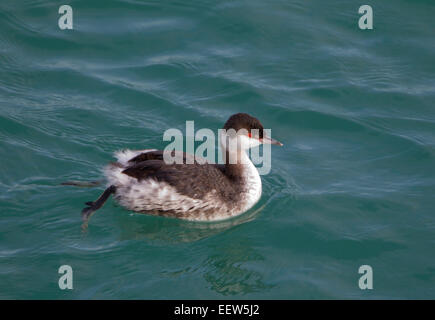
x,y
244,121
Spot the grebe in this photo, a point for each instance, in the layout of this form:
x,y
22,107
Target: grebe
x,y
141,181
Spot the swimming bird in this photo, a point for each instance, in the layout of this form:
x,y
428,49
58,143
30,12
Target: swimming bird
x,y
142,181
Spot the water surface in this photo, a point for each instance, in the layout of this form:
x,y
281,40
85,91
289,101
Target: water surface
x,y
354,183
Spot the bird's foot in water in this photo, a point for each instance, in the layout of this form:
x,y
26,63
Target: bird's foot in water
x,y
88,211
93,206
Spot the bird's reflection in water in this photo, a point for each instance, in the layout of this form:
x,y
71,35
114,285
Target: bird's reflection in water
x,y
228,273
225,267
175,230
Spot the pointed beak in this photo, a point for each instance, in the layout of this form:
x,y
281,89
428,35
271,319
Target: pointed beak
x,y
268,140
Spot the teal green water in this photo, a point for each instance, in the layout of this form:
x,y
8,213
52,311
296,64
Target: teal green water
x,y
354,183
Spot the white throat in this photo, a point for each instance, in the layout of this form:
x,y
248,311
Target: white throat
x,y
252,181
253,188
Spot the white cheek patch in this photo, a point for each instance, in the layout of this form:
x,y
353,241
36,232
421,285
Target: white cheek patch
x,y
247,143
254,142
